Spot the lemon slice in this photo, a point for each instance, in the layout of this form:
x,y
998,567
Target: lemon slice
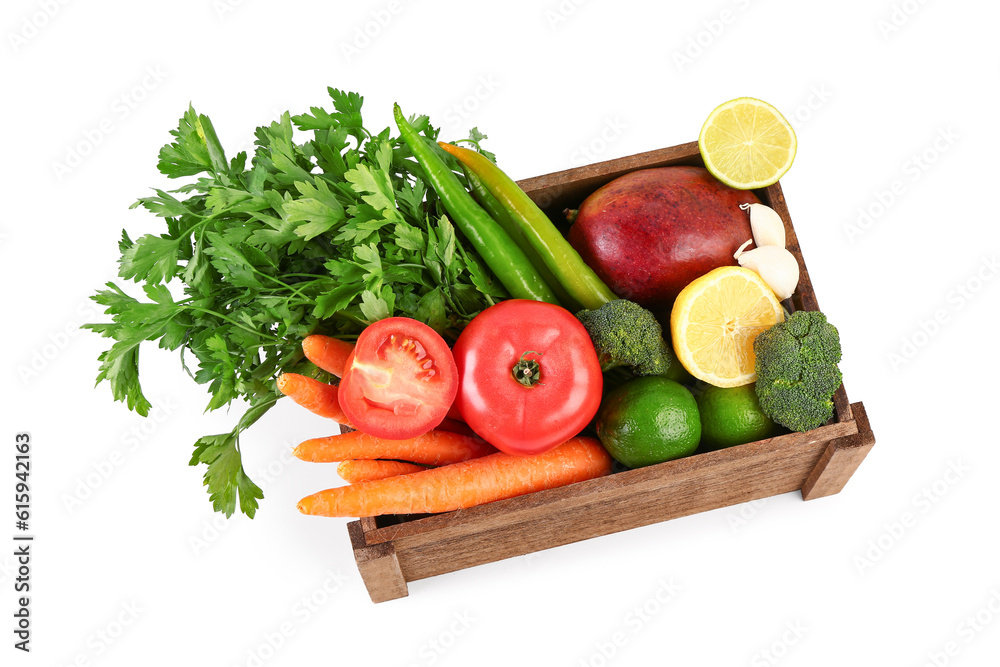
x,y
747,143
715,321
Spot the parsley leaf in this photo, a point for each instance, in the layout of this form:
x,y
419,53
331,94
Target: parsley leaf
x,y
151,258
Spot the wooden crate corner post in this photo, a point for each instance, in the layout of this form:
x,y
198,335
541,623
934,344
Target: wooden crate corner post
x,y
840,459
378,565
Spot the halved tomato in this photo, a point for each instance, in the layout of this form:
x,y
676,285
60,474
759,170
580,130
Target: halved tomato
x,y
400,381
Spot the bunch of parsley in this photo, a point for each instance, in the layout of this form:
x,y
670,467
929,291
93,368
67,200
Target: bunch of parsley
x,y
324,236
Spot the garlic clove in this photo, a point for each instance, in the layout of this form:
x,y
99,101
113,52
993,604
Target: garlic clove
x,y
776,266
766,224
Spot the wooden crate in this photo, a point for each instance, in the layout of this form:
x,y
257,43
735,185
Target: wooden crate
x,y
393,550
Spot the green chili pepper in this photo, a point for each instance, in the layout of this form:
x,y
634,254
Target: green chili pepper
x,y
502,217
579,280
507,261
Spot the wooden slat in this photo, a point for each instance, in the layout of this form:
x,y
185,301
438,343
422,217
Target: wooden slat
x,y
842,406
840,459
805,293
764,453
600,507
555,191
805,296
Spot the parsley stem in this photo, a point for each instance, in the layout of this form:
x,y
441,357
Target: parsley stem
x,y
280,282
234,323
351,318
469,141
340,313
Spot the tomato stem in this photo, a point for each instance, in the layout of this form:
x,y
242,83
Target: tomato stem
x,y
527,372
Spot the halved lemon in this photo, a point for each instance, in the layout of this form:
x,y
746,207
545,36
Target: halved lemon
x,y
715,321
746,143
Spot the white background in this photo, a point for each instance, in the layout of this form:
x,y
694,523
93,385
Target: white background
x,y
888,572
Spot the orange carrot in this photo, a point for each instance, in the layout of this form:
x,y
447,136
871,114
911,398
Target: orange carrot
x,y
432,448
315,396
363,470
464,484
328,353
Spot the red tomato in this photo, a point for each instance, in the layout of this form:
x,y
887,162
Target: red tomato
x,y
545,410
400,381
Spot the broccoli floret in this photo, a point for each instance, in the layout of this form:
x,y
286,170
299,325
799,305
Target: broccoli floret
x,y
797,372
626,334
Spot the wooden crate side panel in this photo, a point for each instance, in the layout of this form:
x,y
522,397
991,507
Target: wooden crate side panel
x,y
842,406
555,191
430,554
805,297
762,455
612,508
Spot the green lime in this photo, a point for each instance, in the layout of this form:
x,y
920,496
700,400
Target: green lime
x,y
732,416
649,420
